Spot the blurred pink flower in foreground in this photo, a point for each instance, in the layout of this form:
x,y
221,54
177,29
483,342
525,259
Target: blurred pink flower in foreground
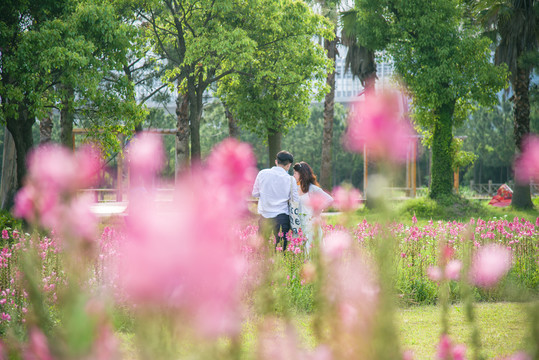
x,y
353,288
448,351
527,164
185,254
517,356
146,155
346,198
336,243
275,345
451,271
491,262
38,347
375,124
50,197
318,202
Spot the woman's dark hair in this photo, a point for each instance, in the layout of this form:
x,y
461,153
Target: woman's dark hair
x,y
306,176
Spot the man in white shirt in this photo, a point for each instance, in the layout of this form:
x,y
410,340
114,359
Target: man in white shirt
x,y
274,187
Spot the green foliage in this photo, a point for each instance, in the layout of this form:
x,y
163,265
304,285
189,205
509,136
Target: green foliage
x,y
448,207
7,221
445,65
273,93
461,158
488,134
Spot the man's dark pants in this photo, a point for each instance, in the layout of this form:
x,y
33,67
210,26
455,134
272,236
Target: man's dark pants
x,y
280,223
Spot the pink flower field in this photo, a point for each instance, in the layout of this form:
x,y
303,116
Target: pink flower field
x,y
198,268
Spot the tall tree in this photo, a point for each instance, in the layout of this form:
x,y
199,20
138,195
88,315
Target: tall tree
x,y
272,93
55,54
514,25
360,59
329,8
24,79
444,63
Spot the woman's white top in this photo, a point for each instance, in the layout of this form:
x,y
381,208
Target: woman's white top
x,y
306,215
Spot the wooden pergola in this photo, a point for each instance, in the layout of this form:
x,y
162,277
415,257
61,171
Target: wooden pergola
x,y
120,159
411,169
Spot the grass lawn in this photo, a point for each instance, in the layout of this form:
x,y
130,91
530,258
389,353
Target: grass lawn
x,y
502,326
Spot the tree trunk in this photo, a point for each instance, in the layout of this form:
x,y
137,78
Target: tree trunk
x,y
329,112
441,171
521,192
8,187
67,117
21,130
45,129
195,113
274,145
182,135
233,128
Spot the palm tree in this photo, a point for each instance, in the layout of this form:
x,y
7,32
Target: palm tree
x,y
329,10
514,25
359,59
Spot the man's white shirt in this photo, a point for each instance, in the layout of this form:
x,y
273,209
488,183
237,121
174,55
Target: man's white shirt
x,y
272,187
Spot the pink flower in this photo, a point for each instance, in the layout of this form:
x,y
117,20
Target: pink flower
x,y
89,163
434,273
78,220
346,198
375,124
490,264
146,156
52,166
527,164
353,289
444,347
50,194
452,269
24,203
448,351
408,355
318,202
184,254
459,352
336,243
38,347
233,164
5,234
518,356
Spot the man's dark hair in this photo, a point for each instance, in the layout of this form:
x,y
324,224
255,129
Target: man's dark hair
x,y
284,158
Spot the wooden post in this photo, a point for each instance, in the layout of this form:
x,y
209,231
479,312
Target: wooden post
x,y
490,188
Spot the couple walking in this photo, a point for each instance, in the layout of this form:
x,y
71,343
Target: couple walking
x,y
277,191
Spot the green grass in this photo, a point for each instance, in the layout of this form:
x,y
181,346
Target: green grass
x,y
503,327
453,208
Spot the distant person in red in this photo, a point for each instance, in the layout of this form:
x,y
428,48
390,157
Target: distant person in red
x,y
503,197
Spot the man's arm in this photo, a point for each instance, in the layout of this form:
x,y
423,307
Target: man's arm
x,y
256,187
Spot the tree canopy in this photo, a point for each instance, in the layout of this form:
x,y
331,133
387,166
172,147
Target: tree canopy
x,y
444,63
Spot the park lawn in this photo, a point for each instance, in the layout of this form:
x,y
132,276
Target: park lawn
x,y
502,326
426,210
